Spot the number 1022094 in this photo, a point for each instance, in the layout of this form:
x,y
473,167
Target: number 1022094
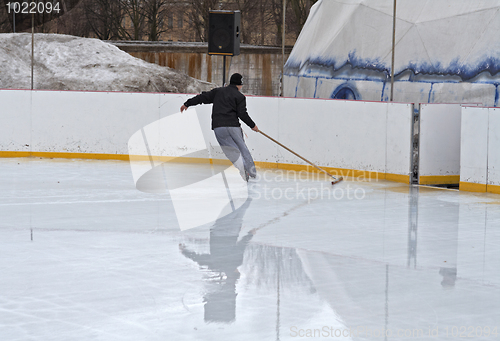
x,y
33,7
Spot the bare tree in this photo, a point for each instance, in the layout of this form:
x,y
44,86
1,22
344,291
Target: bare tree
x,y
261,20
262,16
300,10
156,12
276,9
73,20
105,18
5,19
297,12
198,14
134,11
44,21
250,17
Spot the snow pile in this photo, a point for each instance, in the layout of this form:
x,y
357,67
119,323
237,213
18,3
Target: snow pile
x,y
65,62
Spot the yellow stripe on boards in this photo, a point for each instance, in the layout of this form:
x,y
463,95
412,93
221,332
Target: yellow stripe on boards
x,y
262,164
359,175
493,189
439,179
15,154
405,179
91,156
224,162
52,155
472,187
175,159
346,173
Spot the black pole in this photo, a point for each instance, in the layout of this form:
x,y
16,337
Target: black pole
x,y
224,71
393,48
32,46
386,299
278,296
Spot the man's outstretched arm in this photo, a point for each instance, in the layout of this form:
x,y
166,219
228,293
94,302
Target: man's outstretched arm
x,y
205,97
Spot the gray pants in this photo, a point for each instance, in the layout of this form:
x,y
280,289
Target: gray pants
x,y
234,147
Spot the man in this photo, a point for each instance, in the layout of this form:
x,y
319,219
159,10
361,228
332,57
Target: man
x,y
229,106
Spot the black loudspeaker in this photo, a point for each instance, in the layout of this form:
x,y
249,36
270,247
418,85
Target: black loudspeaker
x,y
224,33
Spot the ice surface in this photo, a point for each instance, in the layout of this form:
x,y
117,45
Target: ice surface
x,y
108,262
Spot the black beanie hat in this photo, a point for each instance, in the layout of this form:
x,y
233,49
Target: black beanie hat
x,y
236,79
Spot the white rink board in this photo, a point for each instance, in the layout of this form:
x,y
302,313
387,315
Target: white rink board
x,y
369,136
399,121
346,134
494,147
15,120
474,145
89,122
439,152
79,122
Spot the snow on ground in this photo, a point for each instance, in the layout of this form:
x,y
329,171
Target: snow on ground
x,y
65,62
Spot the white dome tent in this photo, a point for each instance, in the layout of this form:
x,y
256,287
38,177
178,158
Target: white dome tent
x,y
447,51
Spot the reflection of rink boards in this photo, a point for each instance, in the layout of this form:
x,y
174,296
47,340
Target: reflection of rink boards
x,y
199,197
396,298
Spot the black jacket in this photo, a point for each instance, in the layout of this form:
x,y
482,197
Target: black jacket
x,y
228,105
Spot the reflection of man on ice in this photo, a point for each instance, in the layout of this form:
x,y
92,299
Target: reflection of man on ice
x,y
226,255
229,105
